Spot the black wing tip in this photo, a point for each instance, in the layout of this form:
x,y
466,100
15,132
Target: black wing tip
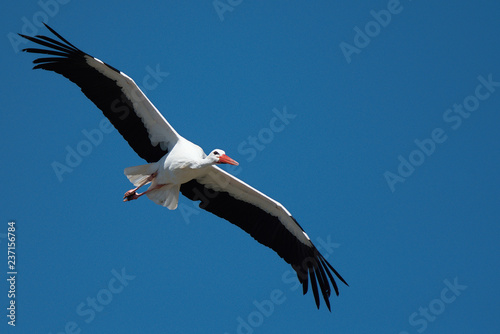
x,y
29,38
46,26
67,49
316,269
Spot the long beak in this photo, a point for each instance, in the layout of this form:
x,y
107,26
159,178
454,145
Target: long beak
x,y
224,159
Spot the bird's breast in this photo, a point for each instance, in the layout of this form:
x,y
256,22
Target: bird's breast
x,y
177,169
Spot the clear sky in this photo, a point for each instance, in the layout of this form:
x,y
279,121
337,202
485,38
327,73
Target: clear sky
x,y
386,150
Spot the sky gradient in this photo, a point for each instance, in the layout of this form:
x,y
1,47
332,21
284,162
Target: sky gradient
x,y
374,123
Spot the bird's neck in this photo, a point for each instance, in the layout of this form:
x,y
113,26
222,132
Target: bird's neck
x,y
205,162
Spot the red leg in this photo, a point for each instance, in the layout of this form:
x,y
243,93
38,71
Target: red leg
x,y
131,194
136,195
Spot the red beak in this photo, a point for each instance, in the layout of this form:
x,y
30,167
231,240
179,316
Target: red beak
x,y
224,159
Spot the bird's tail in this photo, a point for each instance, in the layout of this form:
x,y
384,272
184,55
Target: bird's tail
x,y
139,174
167,196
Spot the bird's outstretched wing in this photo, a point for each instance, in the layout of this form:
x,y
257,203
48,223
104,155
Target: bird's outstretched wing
x,y
120,99
268,222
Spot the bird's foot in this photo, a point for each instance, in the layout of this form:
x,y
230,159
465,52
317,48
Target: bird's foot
x,y
130,195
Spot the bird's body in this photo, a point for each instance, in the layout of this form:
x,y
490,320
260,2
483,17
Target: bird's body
x,y
176,165
185,162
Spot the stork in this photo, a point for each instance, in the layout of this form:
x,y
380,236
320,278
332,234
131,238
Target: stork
x,y
176,165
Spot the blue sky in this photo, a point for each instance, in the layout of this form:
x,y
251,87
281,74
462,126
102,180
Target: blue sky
x,y
388,158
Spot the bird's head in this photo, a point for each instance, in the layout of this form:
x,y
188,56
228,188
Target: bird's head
x,y
220,157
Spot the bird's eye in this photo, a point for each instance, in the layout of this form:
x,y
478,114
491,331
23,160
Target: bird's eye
x,y
216,153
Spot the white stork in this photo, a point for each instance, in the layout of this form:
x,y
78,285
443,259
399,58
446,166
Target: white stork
x,y
177,165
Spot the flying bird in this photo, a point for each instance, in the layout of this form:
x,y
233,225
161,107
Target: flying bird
x,y
176,165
